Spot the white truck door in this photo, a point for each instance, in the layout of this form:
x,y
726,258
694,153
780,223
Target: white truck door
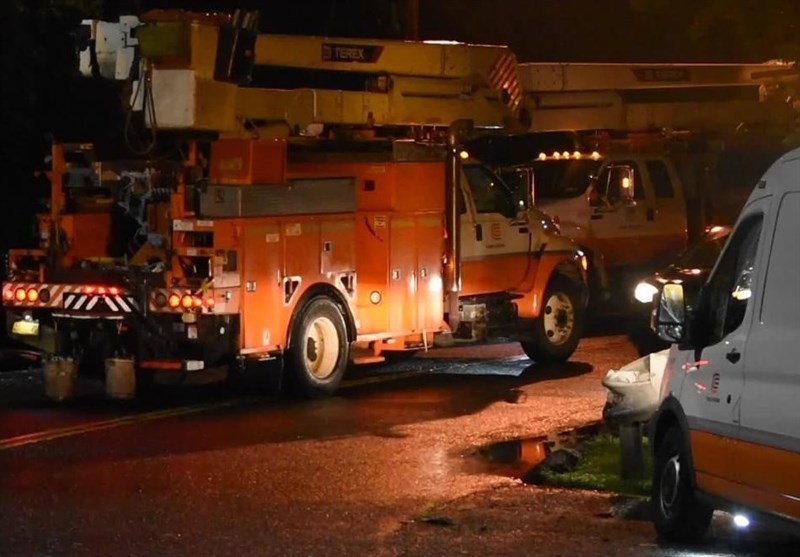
x,y
618,218
665,208
711,393
490,229
769,440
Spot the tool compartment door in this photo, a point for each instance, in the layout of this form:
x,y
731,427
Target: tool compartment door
x,y
262,303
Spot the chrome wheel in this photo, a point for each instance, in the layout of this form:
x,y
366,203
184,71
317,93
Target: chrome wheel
x,y
669,486
559,318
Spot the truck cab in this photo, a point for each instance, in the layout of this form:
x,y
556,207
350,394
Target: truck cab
x,y
628,207
726,435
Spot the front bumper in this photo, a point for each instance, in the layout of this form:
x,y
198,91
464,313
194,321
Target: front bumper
x,y
633,389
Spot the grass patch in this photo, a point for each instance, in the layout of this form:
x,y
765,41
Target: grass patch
x,y
599,468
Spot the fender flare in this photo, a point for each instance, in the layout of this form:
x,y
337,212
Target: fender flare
x,y
329,291
670,414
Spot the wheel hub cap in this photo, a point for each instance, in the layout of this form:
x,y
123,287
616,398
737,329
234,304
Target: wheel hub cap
x,y
321,348
559,318
669,485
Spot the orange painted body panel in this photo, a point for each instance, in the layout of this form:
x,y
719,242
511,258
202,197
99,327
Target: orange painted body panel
x,y
746,473
526,274
769,477
399,257
246,161
89,234
302,249
711,455
496,273
264,315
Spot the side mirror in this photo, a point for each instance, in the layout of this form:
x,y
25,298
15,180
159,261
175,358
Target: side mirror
x,y
620,185
670,314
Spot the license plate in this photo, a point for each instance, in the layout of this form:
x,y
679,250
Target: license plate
x,y
27,328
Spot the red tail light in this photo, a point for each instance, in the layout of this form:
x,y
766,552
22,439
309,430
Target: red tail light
x,y
210,302
20,294
8,295
32,295
187,301
174,301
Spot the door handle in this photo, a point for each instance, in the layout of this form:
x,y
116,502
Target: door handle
x,y
733,356
478,232
651,214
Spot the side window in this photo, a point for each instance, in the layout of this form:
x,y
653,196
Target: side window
x,y
659,175
611,183
729,288
490,194
783,271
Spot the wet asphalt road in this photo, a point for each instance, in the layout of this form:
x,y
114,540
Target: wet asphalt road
x,y
196,473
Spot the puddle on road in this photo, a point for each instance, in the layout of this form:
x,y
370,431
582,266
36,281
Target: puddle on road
x,y
515,458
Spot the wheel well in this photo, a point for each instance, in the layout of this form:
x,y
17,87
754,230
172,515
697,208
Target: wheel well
x,y
666,421
569,271
327,291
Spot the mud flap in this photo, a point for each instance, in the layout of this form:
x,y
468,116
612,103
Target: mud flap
x,y
262,375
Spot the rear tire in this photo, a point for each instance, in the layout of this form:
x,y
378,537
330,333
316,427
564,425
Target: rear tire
x,y
677,515
558,329
319,351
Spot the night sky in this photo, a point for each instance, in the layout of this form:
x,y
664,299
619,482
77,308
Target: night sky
x,y
537,30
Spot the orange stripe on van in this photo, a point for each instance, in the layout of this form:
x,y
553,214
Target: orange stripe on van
x,y
746,473
768,477
711,456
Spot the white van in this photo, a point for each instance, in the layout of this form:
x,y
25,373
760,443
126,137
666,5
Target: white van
x,y
727,432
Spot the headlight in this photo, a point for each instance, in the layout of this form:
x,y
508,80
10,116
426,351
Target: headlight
x,y
645,292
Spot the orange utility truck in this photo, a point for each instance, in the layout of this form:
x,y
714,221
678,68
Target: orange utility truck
x,y
312,225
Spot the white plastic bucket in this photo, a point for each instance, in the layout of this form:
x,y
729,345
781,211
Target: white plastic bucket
x,y
59,378
120,378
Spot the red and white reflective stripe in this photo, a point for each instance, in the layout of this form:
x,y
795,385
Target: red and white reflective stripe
x,y
503,77
67,296
56,292
77,301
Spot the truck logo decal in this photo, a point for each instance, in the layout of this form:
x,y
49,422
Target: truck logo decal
x,y
671,75
497,231
715,383
364,54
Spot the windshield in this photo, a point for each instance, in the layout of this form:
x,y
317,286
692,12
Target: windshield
x,y
563,179
704,253
489,192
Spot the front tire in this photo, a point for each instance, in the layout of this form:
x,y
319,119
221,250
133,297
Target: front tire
x,y
677,515
319,351
558,329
